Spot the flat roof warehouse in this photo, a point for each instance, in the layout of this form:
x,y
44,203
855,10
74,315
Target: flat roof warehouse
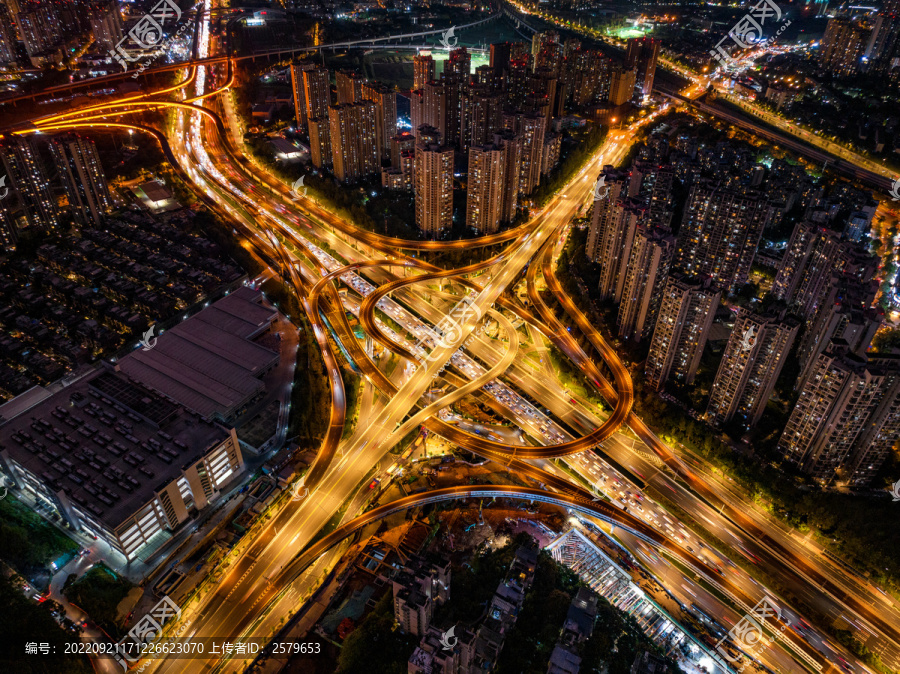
x,y
131,450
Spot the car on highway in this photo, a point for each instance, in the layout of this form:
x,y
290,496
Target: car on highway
x,y
844,665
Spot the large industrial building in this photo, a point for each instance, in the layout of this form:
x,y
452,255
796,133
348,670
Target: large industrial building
x,y
134,449
117,460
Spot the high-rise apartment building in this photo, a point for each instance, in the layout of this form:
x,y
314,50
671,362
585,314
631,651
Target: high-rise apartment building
x,y
614,224
720,232
317,92
832,413
8,38
9,233
319,142
82,176
434,107
686,311
501,52
570,46
612,186
881,51
485,76
106,24
892,75
846,315
651,183
483,116
517,81
487,182
532,131
456,76
843,47
621,85
590,77
459,63
754,356
541,41
543,82
417,589
551,152
416,109
813,255
538,105
27,177
617,232
512,145
641,56
40,28
402,142
645,279
349,87
656,149
565,84
428,135
550,57
413,610
433,185
882,432
385,100
299,91
353,150
423,70
545,95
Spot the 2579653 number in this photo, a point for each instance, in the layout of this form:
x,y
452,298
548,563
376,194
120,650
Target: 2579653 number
x,y
292,647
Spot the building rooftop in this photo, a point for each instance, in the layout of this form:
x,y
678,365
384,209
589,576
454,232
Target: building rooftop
x,y
155,196
563,661
208,362
583,613
23,402
647,663
108,442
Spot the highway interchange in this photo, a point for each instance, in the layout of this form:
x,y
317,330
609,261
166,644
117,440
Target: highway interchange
x,y
254,589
